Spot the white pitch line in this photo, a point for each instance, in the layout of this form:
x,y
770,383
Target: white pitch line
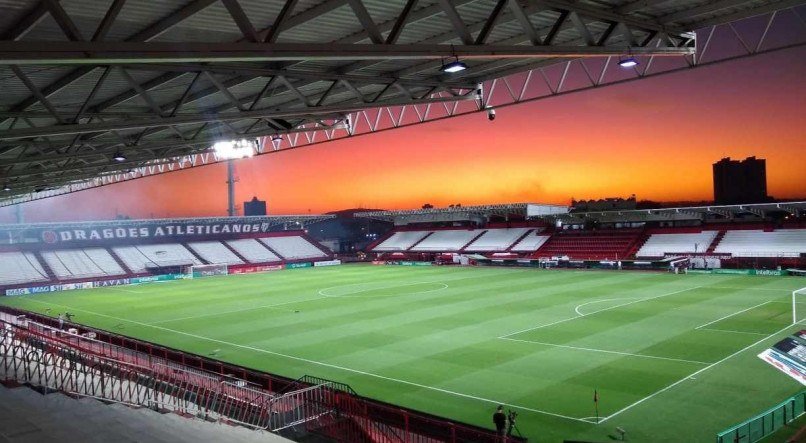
x,y
694,374
329,365
596,301
751,289
629,354
731,315
253,308
600,310
732,331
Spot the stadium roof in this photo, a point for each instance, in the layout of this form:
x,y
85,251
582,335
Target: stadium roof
x,y
99,91
759,210
554,213
273,220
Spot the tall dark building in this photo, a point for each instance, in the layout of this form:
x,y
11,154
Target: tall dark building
x,y
254,207
737,182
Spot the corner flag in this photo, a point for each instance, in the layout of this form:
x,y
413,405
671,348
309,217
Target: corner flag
x,y
596,403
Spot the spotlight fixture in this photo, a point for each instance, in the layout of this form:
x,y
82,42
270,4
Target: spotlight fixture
x,y
6,187
627,62
119,157
233,149
454,66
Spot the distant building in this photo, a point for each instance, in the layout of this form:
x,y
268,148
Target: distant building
x,y
254,207
737,182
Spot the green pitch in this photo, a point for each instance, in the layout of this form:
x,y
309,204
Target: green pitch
x,y
673,357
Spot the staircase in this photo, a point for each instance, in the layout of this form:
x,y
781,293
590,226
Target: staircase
x,y
719,236
237,254
119,261
509,249
420,241
45,266
471,241
195,254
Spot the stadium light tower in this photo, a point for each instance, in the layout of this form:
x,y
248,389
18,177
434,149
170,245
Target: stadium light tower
x,y
231,150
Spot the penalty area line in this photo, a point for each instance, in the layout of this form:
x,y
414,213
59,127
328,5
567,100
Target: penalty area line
x,y
731,315
660,391
328,365
605,351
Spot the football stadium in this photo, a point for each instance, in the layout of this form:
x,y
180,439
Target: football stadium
x,y
137,304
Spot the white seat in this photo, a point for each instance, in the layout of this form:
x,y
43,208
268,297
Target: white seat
x,y
18,267
531,242
497,239
293,247
758,243
139,258
657,245
215,252
253,251
82,263
447,240
400,241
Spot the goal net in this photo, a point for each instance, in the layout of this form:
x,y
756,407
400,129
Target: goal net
x,y
198,271
796,316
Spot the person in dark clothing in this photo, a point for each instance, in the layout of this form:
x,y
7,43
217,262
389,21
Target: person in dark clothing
x,y
500,420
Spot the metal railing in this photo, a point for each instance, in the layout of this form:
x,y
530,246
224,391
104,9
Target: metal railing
x,y
124,369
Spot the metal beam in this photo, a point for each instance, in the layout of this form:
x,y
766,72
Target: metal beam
x,y
78,53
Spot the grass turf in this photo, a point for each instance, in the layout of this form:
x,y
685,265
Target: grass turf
x,y
673,357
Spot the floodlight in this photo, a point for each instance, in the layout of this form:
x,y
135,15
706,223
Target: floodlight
x,y
454,66
119,157
232,149
6,187
628,62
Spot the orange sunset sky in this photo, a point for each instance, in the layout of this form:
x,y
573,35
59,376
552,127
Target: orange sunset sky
x,y
656,138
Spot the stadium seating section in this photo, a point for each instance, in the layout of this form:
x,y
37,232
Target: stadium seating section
x,y
82,263
590,245
18,267
497,239
215,252
531,242
660,244
448,240
401,241
758,243
293,247
253,251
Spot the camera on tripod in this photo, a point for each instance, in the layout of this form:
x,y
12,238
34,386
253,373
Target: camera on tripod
x,y
511,416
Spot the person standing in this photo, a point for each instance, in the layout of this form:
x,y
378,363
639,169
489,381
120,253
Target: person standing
x,y
61,321
500,420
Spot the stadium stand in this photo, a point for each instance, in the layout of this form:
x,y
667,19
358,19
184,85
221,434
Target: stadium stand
x,y
660,244
759,243
139,258
215,252
532,242
590,244
80,263
497,239
253,251
447,240
18,267
401,241
293,247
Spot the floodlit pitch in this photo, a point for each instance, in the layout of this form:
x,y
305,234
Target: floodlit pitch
x,y
672,357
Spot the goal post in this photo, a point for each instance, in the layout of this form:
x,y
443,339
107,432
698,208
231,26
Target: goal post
x,y
198,271
795,294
